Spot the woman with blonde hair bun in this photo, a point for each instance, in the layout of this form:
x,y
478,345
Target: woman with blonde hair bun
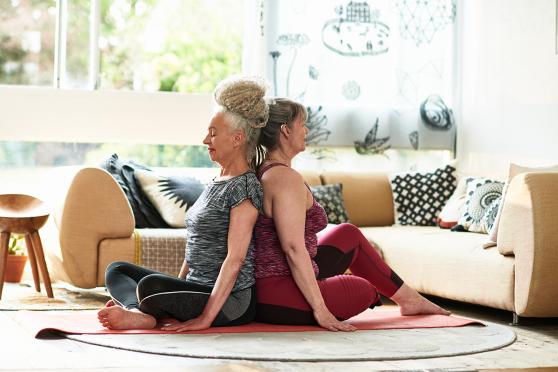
x,y
216,285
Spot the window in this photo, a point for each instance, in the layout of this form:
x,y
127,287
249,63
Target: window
x,y
27,29
23,154
187,46
75,73
376,74
147,45
182,46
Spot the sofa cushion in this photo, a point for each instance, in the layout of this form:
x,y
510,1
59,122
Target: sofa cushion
x,y
420,196
330,198
450,213
481,194
367,196
171,194
447,264
489,216
145,214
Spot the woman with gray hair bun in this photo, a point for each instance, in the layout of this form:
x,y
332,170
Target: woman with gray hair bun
x,y
216,285
242,101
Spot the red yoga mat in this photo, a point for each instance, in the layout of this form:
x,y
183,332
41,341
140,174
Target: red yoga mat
x,y
39,323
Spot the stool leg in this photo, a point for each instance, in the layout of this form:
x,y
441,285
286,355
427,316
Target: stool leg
x,y
4,241
38,248
33,261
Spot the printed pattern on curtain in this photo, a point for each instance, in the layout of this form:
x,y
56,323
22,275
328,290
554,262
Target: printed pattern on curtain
x,y
374,74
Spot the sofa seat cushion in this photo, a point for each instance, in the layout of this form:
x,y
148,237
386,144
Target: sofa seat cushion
x,y
448,264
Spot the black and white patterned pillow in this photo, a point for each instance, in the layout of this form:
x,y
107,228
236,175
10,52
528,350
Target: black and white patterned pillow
x,y
145,213
171,195
481,194
420,196
489,216
330,197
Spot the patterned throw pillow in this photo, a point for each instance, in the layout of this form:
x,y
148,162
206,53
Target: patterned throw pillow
x,y
481,194
454,207
489,217
171,195
419,197
330,197
145,213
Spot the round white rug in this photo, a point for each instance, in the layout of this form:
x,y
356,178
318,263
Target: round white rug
x,y
316,346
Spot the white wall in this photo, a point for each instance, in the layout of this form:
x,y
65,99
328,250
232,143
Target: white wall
x,y
509,107
47,114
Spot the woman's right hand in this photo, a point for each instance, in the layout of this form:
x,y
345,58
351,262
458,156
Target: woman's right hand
x,y
326,320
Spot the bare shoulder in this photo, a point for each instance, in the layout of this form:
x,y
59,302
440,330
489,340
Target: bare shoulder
x,y
282,177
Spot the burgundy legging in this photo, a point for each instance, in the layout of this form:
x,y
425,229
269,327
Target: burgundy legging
x,y
343,247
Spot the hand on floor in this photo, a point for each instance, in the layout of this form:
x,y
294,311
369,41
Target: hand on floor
x,y
195,324
326,320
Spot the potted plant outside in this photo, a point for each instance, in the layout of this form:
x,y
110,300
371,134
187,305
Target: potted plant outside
x,y
16,259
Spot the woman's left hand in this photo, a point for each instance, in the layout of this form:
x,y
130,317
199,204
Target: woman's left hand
x,y
195,324
326,320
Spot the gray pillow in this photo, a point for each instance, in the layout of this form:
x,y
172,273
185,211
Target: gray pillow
x,y
330,197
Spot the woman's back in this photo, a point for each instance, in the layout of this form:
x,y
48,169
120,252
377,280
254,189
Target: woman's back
x,y
207,224
270,260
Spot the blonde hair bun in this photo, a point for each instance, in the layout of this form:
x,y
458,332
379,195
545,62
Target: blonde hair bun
x,y
244,96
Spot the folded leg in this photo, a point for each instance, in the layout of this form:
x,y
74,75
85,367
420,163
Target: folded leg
x,y
280,301
345,247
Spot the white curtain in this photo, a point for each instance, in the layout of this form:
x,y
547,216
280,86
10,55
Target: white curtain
x,y
363,68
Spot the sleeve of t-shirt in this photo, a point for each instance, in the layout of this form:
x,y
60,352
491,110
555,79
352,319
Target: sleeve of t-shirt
x,y
247,187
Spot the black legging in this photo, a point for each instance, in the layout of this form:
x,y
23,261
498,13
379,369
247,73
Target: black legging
x,y
135,287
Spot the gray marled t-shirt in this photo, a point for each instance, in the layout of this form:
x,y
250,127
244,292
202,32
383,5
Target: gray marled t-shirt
x,y
207,227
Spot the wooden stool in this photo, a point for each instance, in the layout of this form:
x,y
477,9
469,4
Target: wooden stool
x,y
24,214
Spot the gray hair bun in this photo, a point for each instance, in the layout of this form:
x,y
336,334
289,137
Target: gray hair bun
x,y
244,97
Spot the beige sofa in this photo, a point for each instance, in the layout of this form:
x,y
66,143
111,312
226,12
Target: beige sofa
x,y
95,226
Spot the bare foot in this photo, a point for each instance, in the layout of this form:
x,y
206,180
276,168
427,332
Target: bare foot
x,y
116,317
412,303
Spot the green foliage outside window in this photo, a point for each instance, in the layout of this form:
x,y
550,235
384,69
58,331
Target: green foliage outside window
x,y
26,42
181,46
151,45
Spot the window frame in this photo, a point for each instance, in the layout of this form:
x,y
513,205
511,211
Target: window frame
x,y
62,114
48,114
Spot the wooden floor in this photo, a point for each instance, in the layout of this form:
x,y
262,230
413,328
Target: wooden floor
x,y
536,347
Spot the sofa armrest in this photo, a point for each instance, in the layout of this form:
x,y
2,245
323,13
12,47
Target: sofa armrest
x,y
528,230
93,208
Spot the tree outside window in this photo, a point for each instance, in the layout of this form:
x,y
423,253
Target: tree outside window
x,y
183,46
